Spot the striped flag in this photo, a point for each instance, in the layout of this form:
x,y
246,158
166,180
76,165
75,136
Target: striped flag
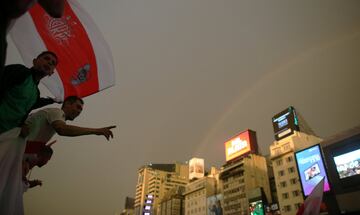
x,y
312,203
85,60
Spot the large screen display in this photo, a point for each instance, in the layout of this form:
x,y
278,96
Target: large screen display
x,y
196,168
311,169
348,164
214,205
241,144
256,208
285,123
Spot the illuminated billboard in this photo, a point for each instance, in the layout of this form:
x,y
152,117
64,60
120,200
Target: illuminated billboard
x,y
241,144
196,168
285,123
311,169
214,204
348,164
256,208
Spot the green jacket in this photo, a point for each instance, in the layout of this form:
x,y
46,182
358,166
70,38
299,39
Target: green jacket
x,y
19,94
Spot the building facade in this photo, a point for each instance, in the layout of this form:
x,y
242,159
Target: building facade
x,y
173,202
239,177
154,181
286,176
129,206
198,192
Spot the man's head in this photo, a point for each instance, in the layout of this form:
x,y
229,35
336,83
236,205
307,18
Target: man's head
x,y
45,63
44,156
72,107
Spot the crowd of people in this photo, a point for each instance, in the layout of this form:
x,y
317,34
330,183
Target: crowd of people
x,y
24,137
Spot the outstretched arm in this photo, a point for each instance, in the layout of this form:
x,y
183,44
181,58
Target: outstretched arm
x,y
70,130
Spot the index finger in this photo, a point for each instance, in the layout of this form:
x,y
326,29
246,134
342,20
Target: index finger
x,y
111,127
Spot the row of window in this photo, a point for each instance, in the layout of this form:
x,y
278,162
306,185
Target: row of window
x,y
288,208
292,181
196,210
290,170
234,176
195,194
288,159
295,193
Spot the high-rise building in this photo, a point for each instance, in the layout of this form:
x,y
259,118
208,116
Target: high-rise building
x,y
173,202
154,181
201,194
292,134
239,178
129,206
285,171
243,172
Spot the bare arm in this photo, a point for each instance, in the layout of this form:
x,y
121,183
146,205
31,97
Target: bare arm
x,y
70,130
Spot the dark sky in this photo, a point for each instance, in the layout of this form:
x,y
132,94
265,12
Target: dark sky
x,y
191,74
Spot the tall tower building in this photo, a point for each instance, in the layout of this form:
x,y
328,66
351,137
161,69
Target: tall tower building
x,y
291,134
129,206
202,195
173,202
244,172
154,181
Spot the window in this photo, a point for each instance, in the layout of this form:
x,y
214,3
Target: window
x,y
283,184
276,151
297,206
293,181
291,169
287,208
279,162
296,193
289,159
281,173
286,147
285,195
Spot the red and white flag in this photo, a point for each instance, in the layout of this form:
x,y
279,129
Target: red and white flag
x,y
312,203
85,60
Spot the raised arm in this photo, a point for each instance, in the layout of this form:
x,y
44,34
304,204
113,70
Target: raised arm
x,y
70,130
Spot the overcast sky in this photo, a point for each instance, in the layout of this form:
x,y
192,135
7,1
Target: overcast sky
x,y
191,74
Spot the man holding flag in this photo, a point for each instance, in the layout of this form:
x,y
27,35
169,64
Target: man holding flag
x,y
12,9
20,94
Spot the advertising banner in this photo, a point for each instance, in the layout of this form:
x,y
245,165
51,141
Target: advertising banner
x,y
311,169
196,168
285,123
241,144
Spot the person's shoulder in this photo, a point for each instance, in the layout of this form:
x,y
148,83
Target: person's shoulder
x,y
17,69
53,109
16,66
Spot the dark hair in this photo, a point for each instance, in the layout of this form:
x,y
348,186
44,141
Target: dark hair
x,y
72,100
50,53
46,150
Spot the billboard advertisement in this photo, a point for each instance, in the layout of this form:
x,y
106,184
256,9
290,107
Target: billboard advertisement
x,y
348,164
285,123
241,144
311,169
256,207
196,168
214,205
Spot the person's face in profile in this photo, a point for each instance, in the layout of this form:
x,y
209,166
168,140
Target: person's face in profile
x,y
73,110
